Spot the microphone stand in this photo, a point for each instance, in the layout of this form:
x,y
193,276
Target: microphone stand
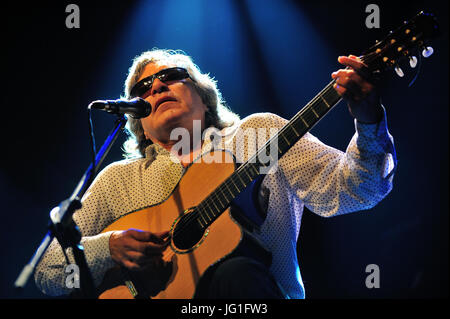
x,y
63,228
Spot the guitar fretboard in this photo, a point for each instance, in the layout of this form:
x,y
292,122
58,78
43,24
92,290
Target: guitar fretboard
x,y
219,200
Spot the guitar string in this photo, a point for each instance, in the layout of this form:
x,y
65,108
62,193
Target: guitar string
x,y
208,202
228,183
364,58
231,181
193,217
168,254
286,131
301,114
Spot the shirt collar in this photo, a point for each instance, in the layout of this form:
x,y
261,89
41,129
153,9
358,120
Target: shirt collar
x,y
155,150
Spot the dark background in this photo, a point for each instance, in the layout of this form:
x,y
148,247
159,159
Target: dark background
x,y
268,56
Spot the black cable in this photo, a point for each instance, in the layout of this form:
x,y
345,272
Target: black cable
x,y
93,148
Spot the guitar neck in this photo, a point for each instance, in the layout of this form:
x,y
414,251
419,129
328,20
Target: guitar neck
x,y
219,200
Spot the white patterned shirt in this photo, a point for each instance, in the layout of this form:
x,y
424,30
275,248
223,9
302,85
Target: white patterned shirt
x,y
328,181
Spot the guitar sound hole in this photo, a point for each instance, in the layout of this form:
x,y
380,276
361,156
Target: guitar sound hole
x,y
188,231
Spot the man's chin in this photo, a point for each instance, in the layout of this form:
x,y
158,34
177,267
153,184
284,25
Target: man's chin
x,y
171,119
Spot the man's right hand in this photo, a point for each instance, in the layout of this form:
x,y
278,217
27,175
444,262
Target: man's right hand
x,y
137,249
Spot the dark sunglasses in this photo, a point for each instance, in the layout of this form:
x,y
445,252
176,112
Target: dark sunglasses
x,y
166,75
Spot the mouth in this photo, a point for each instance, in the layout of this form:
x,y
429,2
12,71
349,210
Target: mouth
x,y
163,100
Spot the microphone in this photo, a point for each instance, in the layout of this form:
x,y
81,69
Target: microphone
x,y
136,108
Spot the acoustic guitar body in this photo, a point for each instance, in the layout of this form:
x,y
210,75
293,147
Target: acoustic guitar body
x,y
186,262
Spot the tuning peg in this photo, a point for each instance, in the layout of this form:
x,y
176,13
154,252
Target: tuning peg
x,y
428,51
413,61
399,71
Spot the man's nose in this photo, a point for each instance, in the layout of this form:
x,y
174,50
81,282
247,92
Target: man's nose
x,y
159,86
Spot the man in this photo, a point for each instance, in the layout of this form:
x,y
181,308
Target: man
x,y
328,181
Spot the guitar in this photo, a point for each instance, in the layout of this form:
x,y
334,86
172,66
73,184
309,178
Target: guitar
x,y
212,220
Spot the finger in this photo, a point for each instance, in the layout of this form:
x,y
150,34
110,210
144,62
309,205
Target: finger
x,y
340,89
131,265
350,74
348,92
152,249
351,84
135,257
163,235
138,234
359,66
351,80
145,236
147,248
353,62
143,260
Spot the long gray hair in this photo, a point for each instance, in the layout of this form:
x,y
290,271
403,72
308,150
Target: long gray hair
x,y
218,114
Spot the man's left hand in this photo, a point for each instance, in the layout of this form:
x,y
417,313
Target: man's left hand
x,y
354,85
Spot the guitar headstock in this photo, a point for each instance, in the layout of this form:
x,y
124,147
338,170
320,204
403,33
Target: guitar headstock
x,y
405,42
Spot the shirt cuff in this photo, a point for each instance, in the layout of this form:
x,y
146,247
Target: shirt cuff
x,y
374,130
375,139
98,255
